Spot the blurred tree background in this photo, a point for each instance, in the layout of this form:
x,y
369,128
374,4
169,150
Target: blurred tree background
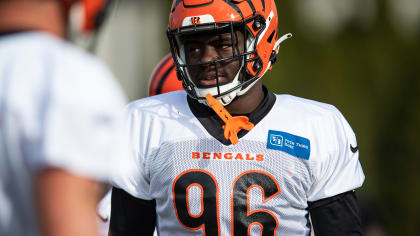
x,y
366,63
359,55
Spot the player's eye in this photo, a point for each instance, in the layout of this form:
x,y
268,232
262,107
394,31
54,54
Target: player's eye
x,y
224,49
226,46
194,50
223,45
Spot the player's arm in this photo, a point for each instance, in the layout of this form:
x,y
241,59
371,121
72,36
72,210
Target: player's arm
x,y
130,215
66,203
337,215
332,202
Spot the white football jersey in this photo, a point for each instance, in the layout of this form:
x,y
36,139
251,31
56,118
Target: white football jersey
x,y
298,153
60,108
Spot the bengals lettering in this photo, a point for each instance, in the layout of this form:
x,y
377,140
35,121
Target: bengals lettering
x,y
227,156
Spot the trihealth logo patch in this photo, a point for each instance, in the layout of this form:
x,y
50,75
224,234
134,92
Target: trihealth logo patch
x,y
289,143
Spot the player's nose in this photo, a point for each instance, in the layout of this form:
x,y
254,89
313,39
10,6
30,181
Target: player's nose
x,y
209,54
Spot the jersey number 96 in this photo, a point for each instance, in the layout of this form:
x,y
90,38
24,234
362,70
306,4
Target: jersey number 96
x,y
242,217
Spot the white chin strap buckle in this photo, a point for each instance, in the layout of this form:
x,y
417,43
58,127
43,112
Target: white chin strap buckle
x,y
224,100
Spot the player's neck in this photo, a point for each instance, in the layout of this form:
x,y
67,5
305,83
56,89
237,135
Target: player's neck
x,y
248,102
32,15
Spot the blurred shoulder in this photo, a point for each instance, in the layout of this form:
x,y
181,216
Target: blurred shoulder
x,y
66,69
81,71
58,55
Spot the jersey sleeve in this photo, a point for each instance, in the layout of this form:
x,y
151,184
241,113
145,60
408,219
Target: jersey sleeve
x,y
338,169
81,119
141,129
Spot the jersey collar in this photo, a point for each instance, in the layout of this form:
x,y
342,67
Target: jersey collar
x,y
213,124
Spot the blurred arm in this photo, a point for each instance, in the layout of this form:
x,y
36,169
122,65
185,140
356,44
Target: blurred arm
x,y
66,203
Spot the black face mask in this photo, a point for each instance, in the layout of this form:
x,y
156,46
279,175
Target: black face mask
x,y
213,73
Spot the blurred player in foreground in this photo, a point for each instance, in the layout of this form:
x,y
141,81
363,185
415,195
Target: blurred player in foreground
x,y
226,156
59,119
162,80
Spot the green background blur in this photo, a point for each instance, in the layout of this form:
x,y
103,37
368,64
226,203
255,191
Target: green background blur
x,y
369,70
372,75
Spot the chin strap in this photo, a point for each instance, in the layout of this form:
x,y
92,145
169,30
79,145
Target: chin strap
x,y
233,124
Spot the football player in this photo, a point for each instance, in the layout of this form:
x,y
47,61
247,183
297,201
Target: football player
x,y
59,119
227,156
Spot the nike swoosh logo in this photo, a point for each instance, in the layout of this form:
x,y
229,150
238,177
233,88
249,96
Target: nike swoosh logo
x,y
354,149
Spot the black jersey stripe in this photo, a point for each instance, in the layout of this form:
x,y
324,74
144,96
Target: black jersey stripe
x,y
252,6
162,81
234,7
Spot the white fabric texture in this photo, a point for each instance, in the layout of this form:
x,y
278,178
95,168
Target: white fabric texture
x,y
166,137
60,108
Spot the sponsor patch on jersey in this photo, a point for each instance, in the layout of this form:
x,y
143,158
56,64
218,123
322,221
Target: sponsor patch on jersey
x,y
294,145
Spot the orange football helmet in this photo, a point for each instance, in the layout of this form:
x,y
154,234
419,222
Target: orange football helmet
x,y
256,19
91,13
163,78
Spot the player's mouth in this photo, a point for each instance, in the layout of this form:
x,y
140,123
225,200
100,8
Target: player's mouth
x,y
211,80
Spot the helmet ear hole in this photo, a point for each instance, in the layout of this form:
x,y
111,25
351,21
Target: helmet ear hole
x,y
258,24
257,65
